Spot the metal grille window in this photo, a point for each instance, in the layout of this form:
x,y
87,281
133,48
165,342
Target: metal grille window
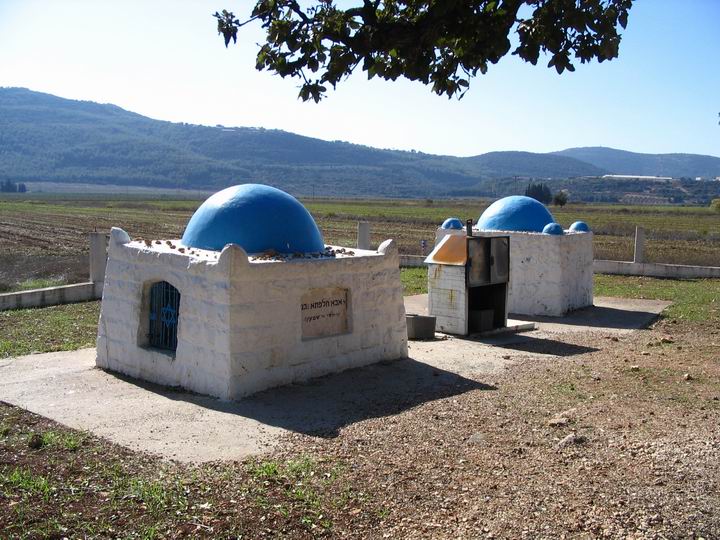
x,y
163,313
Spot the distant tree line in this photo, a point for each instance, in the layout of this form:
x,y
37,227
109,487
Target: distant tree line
x,y
540,192
9,186
102,144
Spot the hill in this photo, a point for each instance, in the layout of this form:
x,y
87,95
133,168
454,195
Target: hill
x,y
528,164
624,162
47,138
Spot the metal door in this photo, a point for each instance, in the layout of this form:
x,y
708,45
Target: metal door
x,y
163,314
500,259
478,263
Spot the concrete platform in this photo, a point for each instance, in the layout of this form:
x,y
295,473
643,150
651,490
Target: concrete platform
x,y
615,315
68,388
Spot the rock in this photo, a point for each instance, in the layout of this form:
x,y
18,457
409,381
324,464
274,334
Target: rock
x,y
688,377
667,340
558,421
476,438
571,440
634,368
562,419
645,353
35,441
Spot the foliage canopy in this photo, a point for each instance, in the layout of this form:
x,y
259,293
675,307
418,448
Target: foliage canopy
x,y
560,198
540,192
442,43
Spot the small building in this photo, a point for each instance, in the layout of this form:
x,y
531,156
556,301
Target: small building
x,y
551,273
248,299
468,284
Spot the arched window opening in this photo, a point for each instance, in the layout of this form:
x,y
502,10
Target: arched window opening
x,y
164,312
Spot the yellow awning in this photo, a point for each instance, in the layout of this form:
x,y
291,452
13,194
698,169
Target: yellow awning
x,y
451,250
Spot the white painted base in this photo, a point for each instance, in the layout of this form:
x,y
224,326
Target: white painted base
x,y
240,321
447,298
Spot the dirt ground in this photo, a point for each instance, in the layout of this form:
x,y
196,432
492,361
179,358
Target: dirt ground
x,y
175,424
622,441
615,435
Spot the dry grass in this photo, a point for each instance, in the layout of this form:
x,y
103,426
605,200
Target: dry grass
x,y
47,237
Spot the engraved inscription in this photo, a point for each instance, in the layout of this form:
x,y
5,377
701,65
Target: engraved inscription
x,y
324,312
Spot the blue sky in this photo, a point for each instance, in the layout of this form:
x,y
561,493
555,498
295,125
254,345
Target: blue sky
x,y
163,59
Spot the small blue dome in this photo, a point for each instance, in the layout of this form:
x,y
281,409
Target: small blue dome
x,y
452,223
255,217
515,213
580,226
553,228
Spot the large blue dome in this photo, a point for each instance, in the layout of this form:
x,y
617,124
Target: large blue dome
x,y
515,213
257,218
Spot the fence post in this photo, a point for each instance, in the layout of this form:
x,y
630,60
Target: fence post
x,y
363,235
98,256
639,245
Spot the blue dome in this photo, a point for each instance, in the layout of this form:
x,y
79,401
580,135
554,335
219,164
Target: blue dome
x,y
255,217
553,228
580,226
515,213
452,223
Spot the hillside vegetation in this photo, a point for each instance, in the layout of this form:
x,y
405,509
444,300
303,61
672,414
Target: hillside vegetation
x,y
50,139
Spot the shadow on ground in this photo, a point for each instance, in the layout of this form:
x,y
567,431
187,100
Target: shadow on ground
x,y
600,317
535,345
324,405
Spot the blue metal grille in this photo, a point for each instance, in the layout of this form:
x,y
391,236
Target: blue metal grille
x,y
164,312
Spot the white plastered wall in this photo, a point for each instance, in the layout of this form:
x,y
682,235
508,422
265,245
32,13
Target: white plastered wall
x,y
240,320
549,274
447,298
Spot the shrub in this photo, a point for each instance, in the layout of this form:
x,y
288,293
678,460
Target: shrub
x,y
560,198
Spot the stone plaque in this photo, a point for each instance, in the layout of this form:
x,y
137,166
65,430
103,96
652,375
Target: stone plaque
x,y
324,312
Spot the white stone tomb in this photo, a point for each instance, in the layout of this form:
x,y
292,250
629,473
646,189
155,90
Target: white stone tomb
x,y
244,323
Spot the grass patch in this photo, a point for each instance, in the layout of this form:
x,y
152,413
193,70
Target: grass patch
x,y
693,299
69,440
299,482
56,328
568,390
23,481
264,470
40,283
414,280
